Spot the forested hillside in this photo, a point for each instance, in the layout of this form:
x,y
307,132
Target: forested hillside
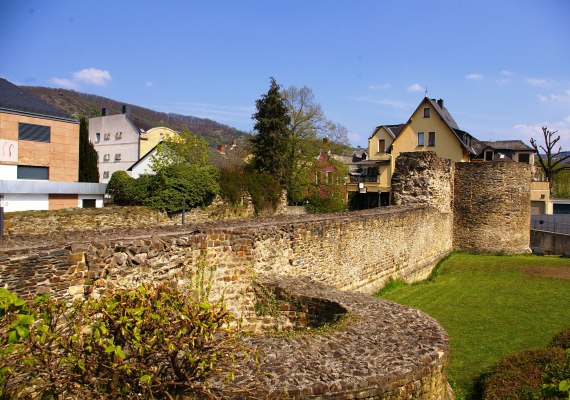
x,y
77,104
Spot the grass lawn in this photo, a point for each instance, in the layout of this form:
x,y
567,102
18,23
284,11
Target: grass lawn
x,y
490,307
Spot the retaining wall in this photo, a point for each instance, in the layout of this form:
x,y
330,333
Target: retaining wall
x,y
550,242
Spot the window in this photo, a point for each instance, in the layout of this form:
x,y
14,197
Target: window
x,y
318,178
118,157
431,139
34,133
329,177
488,155
97,137
426,112
28,172
106,157
105,174
524,158
420,139
381,146
88,203
107,136
118,135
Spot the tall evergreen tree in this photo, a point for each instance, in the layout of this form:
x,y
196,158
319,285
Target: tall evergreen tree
x,y
270,144
88,171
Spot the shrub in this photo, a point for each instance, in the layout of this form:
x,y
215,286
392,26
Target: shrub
x,y
264,190
194,185
326,199
561,339
149,342
120,186
232,185
521,375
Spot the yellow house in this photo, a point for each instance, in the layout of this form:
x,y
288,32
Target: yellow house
x,y
152,137
430,128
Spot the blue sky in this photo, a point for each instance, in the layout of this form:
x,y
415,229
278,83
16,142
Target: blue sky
x,y
502,67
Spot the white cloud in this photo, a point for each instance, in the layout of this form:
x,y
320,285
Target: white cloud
x,y
503,81
507,73
64,83
149,83
383,102
525,132
538,82
474,77
416,87
383,86
93,76
556,98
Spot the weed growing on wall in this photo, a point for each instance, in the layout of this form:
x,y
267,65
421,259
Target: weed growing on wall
x,y
154,341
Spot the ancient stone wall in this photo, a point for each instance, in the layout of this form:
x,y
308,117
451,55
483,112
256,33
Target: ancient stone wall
x,y
355,251
422,178
492,207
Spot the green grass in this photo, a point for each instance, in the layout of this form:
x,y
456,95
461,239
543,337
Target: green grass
x,y
490,307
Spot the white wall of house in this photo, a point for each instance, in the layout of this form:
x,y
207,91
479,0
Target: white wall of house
x,y
117,136
8,172
24,202
143,166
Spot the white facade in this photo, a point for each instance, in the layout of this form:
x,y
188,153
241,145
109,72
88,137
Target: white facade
x,y
116,140
142,166
25,202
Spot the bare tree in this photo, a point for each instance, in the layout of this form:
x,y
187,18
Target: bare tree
x,y
551,161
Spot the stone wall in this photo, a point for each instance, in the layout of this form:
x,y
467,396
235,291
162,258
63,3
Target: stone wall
x,y
422,178
492,207
550,242
354,251
381,351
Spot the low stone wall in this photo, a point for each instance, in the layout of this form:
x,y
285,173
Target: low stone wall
x,y
354,251
385,351
550,242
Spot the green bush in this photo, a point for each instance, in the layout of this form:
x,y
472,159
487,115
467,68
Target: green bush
x,y
120,186
561,339
326,199
522,375
232,185
264,190
177,184
155,341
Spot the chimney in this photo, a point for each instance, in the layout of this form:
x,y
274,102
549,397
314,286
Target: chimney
x,y
221,149
440,103
103,111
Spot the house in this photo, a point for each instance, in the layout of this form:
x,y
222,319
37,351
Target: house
x,y
39,155
117,141
430,128
152,137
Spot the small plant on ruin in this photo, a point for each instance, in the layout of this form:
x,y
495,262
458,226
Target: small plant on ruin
x,y
151,342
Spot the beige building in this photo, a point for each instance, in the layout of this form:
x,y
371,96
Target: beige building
x,y
152,137
39,155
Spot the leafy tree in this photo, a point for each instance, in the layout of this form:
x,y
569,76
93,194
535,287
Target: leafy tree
x,y
309,132
88,171
188,184
270,144
185,148
120,186
551,161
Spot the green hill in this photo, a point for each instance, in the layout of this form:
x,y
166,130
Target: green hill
x,y
76,104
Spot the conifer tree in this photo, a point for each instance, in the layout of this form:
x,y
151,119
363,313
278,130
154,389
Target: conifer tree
x,y
270,144
88,171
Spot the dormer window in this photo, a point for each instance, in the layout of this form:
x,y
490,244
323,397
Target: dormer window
x,y
381,146
426,112
488,155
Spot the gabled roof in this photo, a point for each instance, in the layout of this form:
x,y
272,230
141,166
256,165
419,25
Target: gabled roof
x,y
14,99
393,130
514,145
